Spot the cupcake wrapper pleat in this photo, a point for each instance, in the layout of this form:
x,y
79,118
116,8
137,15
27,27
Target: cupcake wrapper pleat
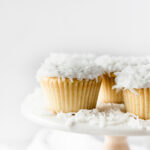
x,y
107,94
70,96
138,104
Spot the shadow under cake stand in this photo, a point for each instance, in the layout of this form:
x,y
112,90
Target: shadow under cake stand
x,y
115,138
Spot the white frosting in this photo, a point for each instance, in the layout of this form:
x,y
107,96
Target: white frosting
x,y
110,63
133,77
118,63
70,66
106,115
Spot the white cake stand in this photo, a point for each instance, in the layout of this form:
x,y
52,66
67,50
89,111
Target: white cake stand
x,y
115,138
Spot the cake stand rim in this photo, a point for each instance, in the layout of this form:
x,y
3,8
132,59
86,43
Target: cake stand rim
x,y
82,128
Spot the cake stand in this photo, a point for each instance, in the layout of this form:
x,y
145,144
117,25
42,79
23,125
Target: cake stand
x,y
115,138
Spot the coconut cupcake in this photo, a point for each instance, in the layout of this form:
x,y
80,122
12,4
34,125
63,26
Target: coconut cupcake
x,y
70,82
136,84
112,64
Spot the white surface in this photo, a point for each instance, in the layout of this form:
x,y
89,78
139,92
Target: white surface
x,y
47,140
108,119
12,144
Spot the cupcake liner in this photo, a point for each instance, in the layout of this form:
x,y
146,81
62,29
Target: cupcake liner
x,y
138,104
70,96
107,94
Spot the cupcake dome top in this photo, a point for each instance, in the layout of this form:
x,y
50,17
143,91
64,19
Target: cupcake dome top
x,y
110,63
70,66
118,63
133,77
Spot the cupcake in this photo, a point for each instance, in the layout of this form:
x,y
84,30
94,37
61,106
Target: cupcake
x,y
70,82
107,94
112,64
135,82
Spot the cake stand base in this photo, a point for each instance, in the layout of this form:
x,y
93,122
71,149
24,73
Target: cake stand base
x,y
116,143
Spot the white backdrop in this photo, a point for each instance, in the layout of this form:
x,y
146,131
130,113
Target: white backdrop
x,y
30,29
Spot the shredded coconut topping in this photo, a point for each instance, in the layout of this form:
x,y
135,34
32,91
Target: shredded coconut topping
x,y
70,66
110,63
106,115
115,64
133,77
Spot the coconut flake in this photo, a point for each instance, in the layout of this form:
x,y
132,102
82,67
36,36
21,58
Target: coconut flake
x,y
118,63
133,78
36,102
70,66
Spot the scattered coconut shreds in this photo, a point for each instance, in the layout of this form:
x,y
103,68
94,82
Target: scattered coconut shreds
x,y
133,78
106,115
70,66
36,102
118,63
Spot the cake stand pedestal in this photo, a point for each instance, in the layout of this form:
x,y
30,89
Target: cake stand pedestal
x,y
115,138
116,143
